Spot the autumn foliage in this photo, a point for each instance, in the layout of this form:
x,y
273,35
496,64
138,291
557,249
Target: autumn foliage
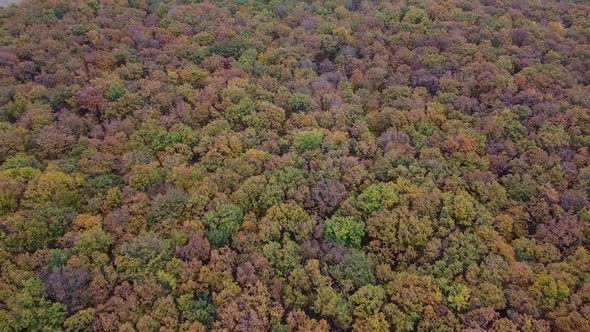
x,y
274,165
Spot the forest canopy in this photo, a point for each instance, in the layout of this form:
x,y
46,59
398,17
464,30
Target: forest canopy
x,y
278,165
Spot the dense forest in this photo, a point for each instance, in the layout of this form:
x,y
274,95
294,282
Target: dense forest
x,y
276,165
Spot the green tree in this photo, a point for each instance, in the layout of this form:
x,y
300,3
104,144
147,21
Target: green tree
x,y
80,321
376,197
367,301
415,15
197,307
308,140
461,209
24,234
356,268
93,240
458,298
222,223
283,255
27,309
10,192
548,290
239,112
344,229
53,187
300,102
331,304
287,219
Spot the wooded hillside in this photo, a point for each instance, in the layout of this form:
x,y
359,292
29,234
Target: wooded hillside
x,y
319,165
